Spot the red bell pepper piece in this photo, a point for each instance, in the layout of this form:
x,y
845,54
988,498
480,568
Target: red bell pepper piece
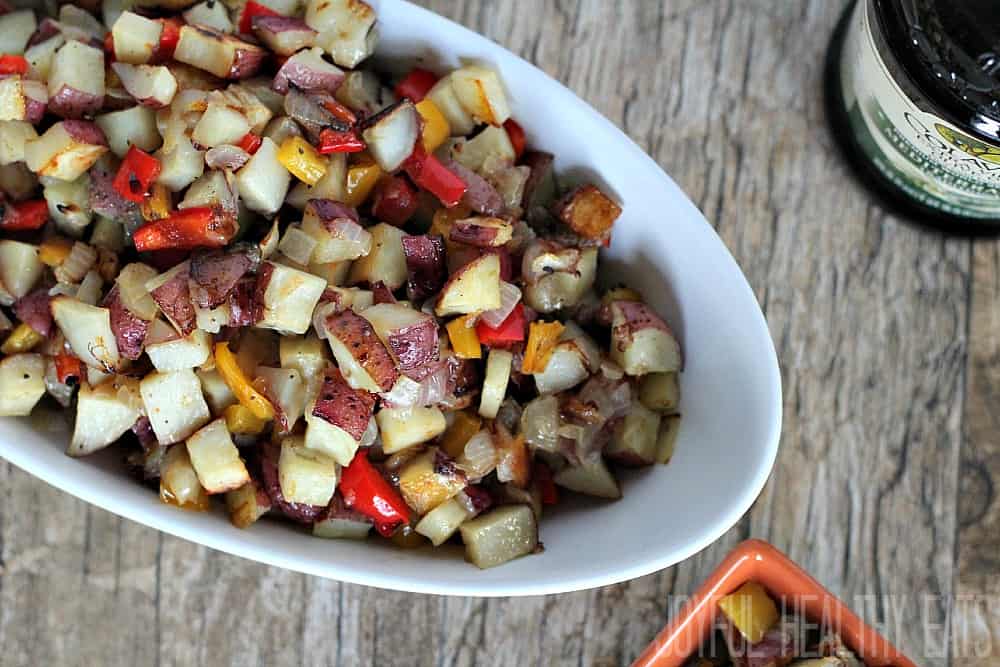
x,y
416,84
517,138
365,490
395,201
332,141
339,111
169,37
68,366
511,330
109,46
136,174
10,64
24,216
543,478
250,142
428,173
198,227
251,10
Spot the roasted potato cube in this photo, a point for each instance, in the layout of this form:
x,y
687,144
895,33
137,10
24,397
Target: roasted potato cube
x,y
88,331
290,298
751,610
346,29
215,458
441,522
411,336
481,93
429,480
104,413
66,150
20,267
405,427
635,438
641,342
22,384
474,287
591,477
660,392
174,404
179,483
176,354
247,504
500,535
305,475
670,426
386,261
363,359
135,38
588,212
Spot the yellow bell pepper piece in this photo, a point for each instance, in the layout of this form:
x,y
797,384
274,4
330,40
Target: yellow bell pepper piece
x,y
240,420
542,339
301,159
751,610
436,128
361,179
53,251
232,374
465,425
464,340
157,205
21,339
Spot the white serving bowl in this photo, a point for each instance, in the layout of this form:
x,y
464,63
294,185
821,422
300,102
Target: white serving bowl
x,y
663,246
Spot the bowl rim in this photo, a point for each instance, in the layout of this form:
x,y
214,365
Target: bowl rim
x,y
180,525
757,560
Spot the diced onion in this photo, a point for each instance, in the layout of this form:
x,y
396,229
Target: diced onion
x,y
480,455
226,156
79,260
540,423
408,393
89,291
370,435
612,399
510,295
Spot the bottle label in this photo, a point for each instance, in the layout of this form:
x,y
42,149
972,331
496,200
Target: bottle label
x,y
931,160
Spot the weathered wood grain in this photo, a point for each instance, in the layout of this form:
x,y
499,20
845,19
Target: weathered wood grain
x,y
882,351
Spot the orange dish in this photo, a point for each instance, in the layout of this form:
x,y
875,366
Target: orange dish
x,y
758,561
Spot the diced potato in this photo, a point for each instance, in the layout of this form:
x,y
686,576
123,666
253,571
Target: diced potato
x,y
290,298
386,261
88,331
76,80
500,535
135,38
588,212
263,181
446,100
426,482
69,204
210,13
215,458
480,91
297,245
591,477
405,427
329,439
641,342
660,392
41,55
220,125
13,105
363,359
670,426
15,30
131,283
308,356
179,483
410,335
174,404
346,29
305,475
341,529
247,504
473,288
223,55
490,145
441,522
498,366
393,134
563,289
13,135
64,152
751,610
212,320
178,354
22,384
181,164
104,414
635,438
20,267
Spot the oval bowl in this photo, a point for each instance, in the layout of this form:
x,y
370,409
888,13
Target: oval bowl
x,y
663,246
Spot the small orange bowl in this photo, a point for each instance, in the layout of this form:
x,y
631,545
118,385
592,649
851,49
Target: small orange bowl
x,y
755,560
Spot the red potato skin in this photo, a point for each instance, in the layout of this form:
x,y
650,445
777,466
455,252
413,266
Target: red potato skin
x,y
72,103
357,334
85,131
46,29
107,201
329,211
174,299
215,274
33,310
470,233
244,308
34,110
305,78
395,201
425,265
348,409
415,345
269,28
637,316
247,61
480,195
130,330
272,487
382,294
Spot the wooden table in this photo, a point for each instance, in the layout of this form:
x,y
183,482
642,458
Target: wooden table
x,y
887,487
